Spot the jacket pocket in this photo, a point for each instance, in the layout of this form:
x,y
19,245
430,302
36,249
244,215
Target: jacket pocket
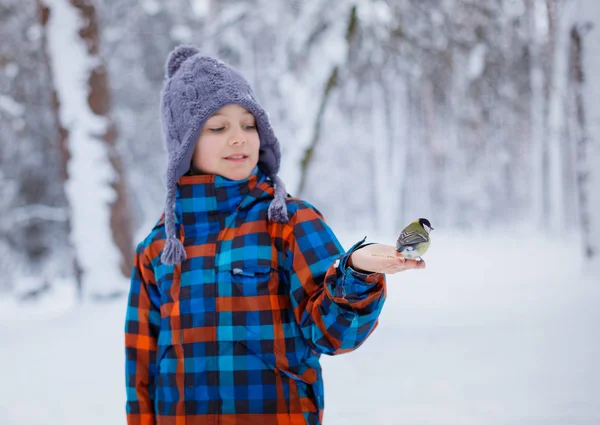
x,y
252,281
256,272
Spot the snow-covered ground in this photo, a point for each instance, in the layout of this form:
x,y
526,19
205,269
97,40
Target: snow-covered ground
x,y
496,330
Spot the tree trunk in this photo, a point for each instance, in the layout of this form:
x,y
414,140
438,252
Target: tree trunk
x,y
101,233
585,70
555,200
536,78
331,83
61,131
99,102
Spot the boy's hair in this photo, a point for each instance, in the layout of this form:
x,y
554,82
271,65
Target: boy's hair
x,y
194,88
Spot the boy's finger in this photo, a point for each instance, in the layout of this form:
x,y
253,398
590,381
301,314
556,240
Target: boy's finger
x,y
412,263
415,264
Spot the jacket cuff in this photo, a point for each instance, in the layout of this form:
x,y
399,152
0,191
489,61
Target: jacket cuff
x,y
352,284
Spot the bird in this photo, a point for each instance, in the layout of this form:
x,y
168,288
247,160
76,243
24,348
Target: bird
x,y
414,239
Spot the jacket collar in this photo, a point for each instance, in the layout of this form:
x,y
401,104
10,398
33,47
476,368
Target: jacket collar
x,y
201,196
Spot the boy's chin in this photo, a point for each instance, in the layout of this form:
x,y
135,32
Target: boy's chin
x,y
237,174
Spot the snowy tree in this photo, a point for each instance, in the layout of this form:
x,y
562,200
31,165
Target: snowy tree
x,y
136,38
585,68
35,251
470,113
95,185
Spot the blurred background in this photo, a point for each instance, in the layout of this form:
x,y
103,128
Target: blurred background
x,y
481,115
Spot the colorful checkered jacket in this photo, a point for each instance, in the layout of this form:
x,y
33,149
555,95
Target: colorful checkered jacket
x,y
233,335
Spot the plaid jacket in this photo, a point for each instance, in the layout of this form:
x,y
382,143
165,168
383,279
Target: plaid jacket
x,y
233,335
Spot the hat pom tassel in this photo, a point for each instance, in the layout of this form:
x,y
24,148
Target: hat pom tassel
x,y
278,211
174,252
277,208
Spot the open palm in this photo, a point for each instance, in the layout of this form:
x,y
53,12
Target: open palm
x,y
379,258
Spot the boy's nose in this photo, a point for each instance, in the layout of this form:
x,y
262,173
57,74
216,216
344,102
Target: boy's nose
x,y
237,141
237,138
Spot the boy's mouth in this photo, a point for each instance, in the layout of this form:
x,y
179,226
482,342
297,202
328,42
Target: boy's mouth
x,y
236,158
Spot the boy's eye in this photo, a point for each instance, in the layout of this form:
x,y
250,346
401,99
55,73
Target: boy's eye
x,y
250,127
216,130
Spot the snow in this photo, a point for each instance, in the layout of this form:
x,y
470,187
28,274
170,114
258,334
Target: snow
x,y
477,61
10,106
11,70
501,329
378,11
59,299
90,174
181,33
34,33
31,211
151,7
514,9
200,8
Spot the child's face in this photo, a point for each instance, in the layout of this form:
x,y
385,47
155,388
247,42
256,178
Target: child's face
x,y
228,144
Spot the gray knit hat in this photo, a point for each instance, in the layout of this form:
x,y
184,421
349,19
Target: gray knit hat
x,y
194,88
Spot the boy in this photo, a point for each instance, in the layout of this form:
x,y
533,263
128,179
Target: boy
x,y
238,289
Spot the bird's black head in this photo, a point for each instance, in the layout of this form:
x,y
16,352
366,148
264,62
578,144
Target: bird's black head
x,y
425,223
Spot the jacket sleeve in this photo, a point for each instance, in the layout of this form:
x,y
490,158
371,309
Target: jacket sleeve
x,y
142,325
336,307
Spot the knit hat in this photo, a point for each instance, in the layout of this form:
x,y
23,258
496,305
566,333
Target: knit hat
x,y
194,88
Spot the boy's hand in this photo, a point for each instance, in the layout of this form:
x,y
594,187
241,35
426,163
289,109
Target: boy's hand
x,y
378,258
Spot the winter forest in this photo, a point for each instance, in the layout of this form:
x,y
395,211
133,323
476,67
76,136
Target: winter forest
x,y
476,113
481,115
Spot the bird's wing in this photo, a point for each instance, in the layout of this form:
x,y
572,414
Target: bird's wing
x,y
410,238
